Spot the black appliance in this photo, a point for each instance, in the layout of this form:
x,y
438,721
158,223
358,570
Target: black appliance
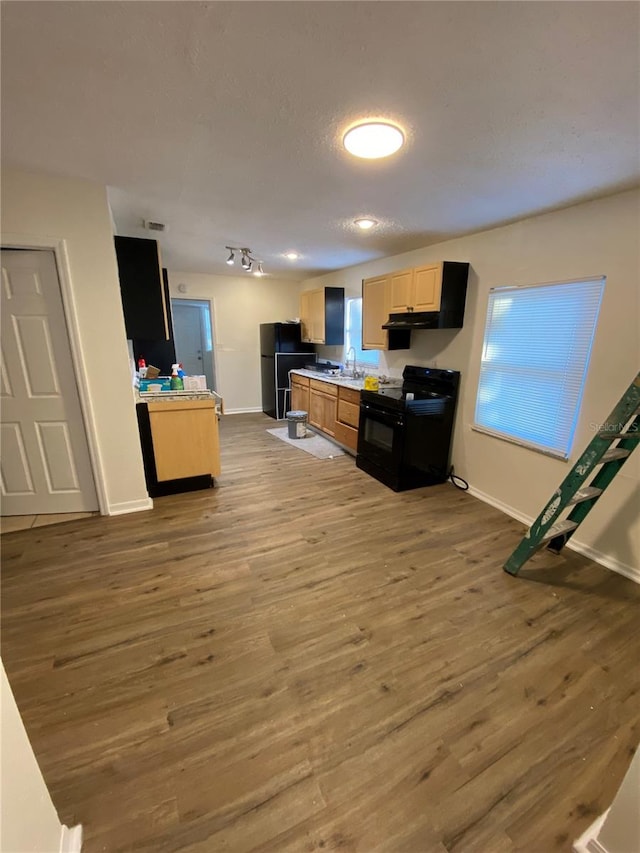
x,y
404,438
281,350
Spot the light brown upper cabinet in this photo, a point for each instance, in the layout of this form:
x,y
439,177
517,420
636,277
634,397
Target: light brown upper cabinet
x,y
435,291
416,289
322,316
375,311
400,291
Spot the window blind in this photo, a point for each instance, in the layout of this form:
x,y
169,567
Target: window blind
x,y
537,343
354,334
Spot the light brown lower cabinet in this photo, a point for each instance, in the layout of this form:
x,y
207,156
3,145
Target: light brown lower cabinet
x,y
334,410
299,393
323,406
185,439
346,430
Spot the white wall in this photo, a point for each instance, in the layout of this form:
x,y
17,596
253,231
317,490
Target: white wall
x,y
39,206
29,820
595,238
620,831
239,304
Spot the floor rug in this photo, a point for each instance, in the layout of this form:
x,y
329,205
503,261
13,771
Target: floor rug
x,y
314,444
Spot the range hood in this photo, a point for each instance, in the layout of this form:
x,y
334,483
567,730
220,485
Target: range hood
x,y
413,320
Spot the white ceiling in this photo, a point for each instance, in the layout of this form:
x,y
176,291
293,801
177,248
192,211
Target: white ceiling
x,y
224,119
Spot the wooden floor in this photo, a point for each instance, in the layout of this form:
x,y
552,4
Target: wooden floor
x,y
302,660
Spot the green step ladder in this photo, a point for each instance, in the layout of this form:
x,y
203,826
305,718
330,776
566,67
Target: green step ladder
x,y
605,455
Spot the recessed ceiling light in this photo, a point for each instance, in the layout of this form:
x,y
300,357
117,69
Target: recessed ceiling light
x,y
373,139
291,256
365,222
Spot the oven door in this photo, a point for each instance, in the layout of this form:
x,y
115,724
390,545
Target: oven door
x,y
381,437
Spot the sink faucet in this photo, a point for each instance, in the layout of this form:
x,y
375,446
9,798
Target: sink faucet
x,y
351,350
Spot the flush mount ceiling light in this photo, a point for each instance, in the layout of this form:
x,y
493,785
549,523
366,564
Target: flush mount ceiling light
x,y
291,256
365,222
246,259
372,140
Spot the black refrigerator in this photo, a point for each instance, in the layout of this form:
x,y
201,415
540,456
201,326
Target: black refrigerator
x,y
281,350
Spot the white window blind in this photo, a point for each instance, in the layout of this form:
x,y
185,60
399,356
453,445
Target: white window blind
x,y
537,343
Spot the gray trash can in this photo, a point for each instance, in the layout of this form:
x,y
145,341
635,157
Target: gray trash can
x,y
297,423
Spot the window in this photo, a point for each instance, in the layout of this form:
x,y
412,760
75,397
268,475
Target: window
x,y
354,335
537,343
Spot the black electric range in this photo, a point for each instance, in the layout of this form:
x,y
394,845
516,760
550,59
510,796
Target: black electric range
x,y
404,438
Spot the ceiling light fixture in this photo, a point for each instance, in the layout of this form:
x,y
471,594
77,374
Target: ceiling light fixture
x,y
365,222
246,259
291,256
372,140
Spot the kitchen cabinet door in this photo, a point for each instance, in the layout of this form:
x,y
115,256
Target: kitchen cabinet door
x,y
316,408
299,397
427,287
185,439
141,289
329,413
401,293
375,312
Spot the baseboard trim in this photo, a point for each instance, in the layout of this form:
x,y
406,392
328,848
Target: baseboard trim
x,y
605,560
130,506
71,839
242,411
588,841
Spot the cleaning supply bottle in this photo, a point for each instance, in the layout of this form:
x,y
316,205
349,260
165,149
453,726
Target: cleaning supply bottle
x,y
142,368
176,380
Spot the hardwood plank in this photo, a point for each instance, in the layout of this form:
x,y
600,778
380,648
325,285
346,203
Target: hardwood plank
x,y
301,659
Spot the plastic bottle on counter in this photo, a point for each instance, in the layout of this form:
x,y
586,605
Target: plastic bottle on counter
x,y
176,380
142,368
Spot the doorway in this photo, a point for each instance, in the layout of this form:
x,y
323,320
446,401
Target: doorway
x,y
193,337
45,461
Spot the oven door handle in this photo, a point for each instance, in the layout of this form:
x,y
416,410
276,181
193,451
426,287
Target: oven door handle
x,y
383,417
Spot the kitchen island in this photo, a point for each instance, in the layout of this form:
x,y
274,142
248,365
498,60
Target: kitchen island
x,y
180,441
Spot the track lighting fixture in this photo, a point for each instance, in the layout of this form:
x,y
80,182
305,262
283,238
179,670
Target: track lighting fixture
x,y
246,259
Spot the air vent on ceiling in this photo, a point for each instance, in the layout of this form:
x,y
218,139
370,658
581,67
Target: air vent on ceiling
x,y
150,225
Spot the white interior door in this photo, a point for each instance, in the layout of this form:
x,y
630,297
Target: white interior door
x,y
44,456
193,339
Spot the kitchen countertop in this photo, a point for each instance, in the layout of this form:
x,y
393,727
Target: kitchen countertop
x,y
342,381
168,397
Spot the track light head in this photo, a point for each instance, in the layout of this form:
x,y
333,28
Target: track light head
x,y
246,259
